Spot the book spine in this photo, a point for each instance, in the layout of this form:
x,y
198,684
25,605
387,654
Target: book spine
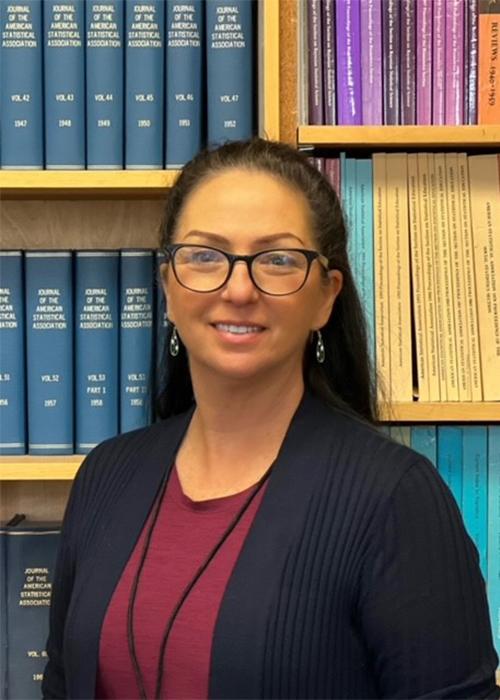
x,y
423,440
136,338
49,351
417,265
428,276
450,458
475,495
445,280
484,178
144,84
30,558
467,250
371,61
365,264
314,21
303,62
329,68
21,125
437,277
439,75
400,350
185,32
454,62
64,74
382,338
391,60
96,355
424,62
12,359
471,49
489,62
349,106
408,62
160,329
493,578
104,55
401,433
349,206
230,83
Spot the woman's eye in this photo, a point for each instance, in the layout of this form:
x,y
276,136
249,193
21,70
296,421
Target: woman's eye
x,y
278,260
201,257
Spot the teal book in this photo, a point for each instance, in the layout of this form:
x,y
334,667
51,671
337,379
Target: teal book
x,y
493,578
450,458
475,488
423,440
364,262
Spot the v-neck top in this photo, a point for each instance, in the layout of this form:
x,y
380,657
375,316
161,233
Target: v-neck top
x,y
185,533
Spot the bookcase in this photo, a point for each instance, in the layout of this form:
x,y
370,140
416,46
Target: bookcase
x,y
114,209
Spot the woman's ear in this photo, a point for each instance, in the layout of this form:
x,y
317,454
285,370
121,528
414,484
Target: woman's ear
x,y
331,289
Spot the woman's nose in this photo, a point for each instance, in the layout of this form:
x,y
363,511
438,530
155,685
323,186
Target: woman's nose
x,y
239,288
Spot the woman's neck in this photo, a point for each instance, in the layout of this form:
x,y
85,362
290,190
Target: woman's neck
x,y
236,432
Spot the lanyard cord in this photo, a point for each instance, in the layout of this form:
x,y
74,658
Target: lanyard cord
x,y
184,595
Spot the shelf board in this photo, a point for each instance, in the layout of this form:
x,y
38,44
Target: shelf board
x,y
415,412
460,137
85,184
31,468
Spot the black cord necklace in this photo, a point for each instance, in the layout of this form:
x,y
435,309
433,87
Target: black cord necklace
x,y
184,595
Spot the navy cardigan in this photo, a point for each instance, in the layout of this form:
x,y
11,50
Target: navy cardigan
x,y
356,580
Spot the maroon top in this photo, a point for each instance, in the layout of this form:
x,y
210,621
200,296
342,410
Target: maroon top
x,y
185,533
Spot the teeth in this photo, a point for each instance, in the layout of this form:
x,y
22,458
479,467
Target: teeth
x,y
237,329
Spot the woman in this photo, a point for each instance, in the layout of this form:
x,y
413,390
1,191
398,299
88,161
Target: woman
x,y
264,540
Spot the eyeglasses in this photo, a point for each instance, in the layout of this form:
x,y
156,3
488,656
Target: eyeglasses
x,y
276,272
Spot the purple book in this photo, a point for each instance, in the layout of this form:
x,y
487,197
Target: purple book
x,y
332,173
328,27
391,60
471,62
371,61
424,61
454,92
349,101
438,58
315,62
408,63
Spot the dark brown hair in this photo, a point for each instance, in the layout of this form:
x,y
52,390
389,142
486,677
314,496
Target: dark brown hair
x,y
345,380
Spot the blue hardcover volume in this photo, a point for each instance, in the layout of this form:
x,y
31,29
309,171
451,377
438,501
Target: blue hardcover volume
x,y
230,55
144,84
104,54
12,360
96,371
21,98
64,63
49,351
364,261
184,81
28,552
475,494
493,579
136,338
449,455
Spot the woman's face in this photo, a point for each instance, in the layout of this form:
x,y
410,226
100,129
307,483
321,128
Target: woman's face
x,y
244,212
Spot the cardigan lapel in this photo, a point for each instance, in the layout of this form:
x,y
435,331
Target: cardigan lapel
x,y
100,575
238,651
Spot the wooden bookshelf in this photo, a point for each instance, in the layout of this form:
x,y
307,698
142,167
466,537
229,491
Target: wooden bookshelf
x,y
30,468
387,137
85,184
415,412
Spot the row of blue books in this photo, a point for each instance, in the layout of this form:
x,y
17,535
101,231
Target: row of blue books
x,y
468,459
79,333
114,84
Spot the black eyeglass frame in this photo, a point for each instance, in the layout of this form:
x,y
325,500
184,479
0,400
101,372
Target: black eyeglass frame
x,y
310,255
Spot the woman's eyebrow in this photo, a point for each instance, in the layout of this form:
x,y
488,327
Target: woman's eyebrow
x,y
271,238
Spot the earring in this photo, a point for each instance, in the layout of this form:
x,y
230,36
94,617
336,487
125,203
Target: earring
x,y
174,343
320,348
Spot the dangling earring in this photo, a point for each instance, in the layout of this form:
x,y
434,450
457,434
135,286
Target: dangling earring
x,y
320,348
174,343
